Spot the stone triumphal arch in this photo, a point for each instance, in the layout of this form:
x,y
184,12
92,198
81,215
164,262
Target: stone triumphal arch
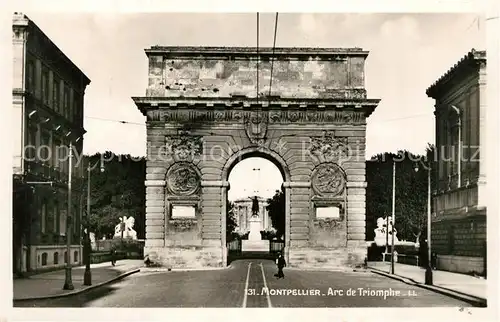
x,y
204,115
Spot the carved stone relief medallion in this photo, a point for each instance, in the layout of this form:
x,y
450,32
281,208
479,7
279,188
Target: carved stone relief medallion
x,y
183,179
329,147
328,180
184,145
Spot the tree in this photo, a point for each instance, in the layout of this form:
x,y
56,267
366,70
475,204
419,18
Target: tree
x,y
118,191
276,210
411,192
230,220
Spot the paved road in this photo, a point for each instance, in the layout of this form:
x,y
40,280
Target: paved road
x,y
244,285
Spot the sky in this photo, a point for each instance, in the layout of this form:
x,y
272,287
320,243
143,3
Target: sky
x,y
408,52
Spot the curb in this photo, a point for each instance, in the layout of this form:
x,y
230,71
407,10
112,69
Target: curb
x,y
162,269
78,292
341,270
471,299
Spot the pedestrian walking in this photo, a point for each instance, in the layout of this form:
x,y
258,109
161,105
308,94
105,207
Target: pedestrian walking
x,y
113,256
280,262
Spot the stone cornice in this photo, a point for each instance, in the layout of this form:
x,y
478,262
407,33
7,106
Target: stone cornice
x,y
180,51
50,52
351,184
297,184
215,183
159,108
233,102
472,58
154,183
238,116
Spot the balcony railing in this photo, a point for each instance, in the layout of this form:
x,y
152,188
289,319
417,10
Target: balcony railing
x,y
49,172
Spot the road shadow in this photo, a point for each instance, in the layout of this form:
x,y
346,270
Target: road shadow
x,y
79,300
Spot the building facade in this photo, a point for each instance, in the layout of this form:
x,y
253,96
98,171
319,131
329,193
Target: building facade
x,y
243,211
48,94
459,216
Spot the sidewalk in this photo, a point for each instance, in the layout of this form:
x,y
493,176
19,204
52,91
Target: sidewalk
x,y
50,284
461,283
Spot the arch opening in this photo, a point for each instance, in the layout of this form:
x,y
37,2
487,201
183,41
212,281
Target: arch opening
x,y
255,206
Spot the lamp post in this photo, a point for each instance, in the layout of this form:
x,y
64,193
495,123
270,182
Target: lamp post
x,y
428,269
87,276
68,283
257,190
393,213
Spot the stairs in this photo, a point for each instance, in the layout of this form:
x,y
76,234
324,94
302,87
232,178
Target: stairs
x,y
255,246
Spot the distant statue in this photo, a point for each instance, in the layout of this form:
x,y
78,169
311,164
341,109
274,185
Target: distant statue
x,y
384,231
126,226
255,207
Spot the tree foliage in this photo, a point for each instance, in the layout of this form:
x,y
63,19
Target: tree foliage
x,y
116,192
230,220
410,191
276,210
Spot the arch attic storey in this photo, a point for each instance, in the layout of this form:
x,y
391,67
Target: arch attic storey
x,y
205,113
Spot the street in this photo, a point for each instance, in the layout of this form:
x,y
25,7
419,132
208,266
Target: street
x,y
251,283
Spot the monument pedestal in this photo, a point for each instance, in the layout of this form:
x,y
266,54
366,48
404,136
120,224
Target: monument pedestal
x,y
254,229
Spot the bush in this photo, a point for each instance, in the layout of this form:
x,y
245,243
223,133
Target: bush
x,y
375,252
406,249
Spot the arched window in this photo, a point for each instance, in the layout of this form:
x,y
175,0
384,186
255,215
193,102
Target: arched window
x,y
56,258
65,257
44,259
75,256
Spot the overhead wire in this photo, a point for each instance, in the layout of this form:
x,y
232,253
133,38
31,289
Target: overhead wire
x,y
258,58
272,57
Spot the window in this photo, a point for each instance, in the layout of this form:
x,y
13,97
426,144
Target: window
x,y
30,76
56,258
56,217
44,259
43,218
71,107
75,256
50,217
62,222
65,110
474,134
57,156
55,94
45,85
45,148
76,108
31,149
65,257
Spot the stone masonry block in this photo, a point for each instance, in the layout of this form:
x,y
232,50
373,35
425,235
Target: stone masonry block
x,y
151,170
155,222
155,203
356,223
355,217
356,236
353,230
154,235
355,178
155,191
154,242
155,216
155,209
155,229
356,191
155,176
